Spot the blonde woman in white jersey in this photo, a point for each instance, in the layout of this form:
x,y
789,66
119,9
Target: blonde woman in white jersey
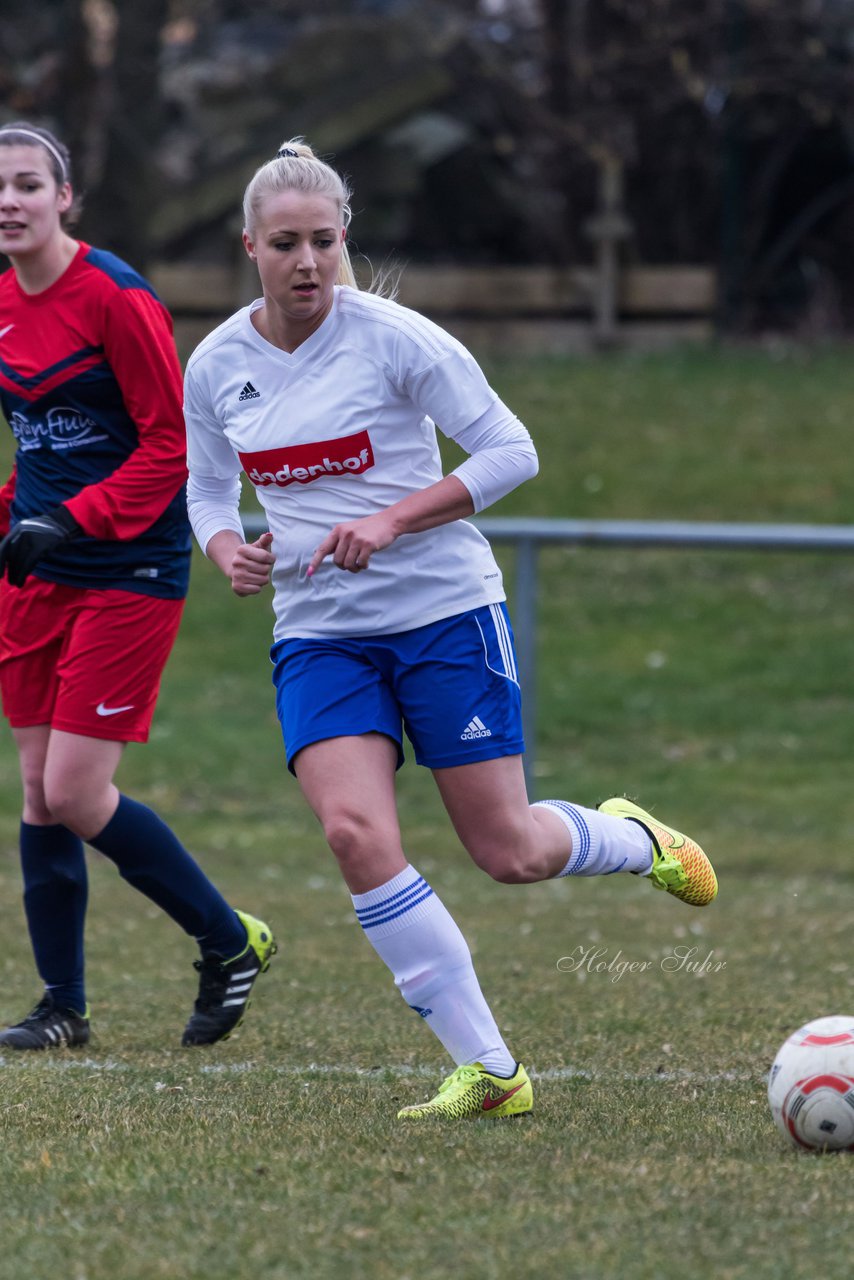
x,y
389,605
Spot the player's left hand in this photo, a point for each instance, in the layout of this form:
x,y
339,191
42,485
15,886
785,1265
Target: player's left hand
x,y
352,545
32,539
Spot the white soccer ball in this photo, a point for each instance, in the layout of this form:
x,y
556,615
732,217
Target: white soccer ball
x,y
811,1085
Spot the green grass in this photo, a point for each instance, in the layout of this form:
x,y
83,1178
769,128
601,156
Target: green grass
x,y
717,689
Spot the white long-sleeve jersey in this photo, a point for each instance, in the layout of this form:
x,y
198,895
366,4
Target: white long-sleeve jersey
x,y
339,429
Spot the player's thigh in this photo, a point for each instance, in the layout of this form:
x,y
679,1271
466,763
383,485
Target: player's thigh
x,y
112,664
77,767
487,803
35,621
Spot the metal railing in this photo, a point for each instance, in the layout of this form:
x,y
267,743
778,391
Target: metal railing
x,y
528,535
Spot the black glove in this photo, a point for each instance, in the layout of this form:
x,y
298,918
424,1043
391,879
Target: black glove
x,y
33,539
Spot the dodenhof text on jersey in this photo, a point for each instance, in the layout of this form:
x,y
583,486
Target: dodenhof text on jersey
x,y
302,463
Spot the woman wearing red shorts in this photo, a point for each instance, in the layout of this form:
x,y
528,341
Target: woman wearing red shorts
x,y
94,569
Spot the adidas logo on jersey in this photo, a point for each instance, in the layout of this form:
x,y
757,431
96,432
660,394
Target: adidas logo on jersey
x,y
249,393
475,729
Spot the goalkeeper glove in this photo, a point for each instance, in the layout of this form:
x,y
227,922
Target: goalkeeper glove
x,y
33,539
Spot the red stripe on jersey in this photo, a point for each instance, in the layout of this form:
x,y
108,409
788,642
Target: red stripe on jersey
x,y
302,463
42,381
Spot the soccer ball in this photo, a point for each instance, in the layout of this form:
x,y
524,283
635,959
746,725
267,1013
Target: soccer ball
x,y
811,1085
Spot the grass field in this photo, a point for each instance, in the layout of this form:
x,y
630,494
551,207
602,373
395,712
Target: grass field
x,y
715,688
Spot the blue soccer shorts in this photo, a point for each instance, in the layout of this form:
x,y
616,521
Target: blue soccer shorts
x,y
451,685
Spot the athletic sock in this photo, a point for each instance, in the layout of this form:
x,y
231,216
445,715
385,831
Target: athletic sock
x,y
601,843
413,933
152,859
56,891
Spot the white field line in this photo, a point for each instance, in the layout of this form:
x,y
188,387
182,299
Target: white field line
x,y
350,1071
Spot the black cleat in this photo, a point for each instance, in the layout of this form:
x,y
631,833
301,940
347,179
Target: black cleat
x,y
47,1027
224,987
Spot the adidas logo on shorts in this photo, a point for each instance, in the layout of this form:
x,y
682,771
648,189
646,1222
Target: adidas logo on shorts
x,y
249,393
475,729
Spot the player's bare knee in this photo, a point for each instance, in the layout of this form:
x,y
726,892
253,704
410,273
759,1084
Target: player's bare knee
x,y
350,836
511,871
67,805
35,806
506,863
41,817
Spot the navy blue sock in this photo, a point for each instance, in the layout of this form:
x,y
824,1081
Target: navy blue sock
x,y
56,890
152,859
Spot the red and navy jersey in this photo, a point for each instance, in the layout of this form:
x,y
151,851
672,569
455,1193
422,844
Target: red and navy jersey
x,y
91,386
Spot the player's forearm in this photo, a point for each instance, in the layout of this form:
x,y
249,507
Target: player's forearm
x,y
222,548
438,504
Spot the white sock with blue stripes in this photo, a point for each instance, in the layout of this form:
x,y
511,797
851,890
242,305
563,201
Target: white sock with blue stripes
x,y
601,843
413,933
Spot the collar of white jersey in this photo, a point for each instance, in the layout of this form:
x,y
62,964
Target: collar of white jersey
x,y
305,350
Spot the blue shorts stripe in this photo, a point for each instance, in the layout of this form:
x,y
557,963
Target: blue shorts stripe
x,y
506,643
503,663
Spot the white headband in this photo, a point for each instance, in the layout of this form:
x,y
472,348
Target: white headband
x,y
30,133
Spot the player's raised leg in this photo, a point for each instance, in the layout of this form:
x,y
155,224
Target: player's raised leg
x,y
518,843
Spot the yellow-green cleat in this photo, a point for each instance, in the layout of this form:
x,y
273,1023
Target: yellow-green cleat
x,y
679,865
473,1091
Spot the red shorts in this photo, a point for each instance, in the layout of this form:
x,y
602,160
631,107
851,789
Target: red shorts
x,y
84,661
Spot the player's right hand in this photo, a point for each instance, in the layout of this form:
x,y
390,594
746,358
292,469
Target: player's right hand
x,y
252,565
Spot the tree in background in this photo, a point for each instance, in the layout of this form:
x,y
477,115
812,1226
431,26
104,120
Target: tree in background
x,y
479,128
90,69
733,119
